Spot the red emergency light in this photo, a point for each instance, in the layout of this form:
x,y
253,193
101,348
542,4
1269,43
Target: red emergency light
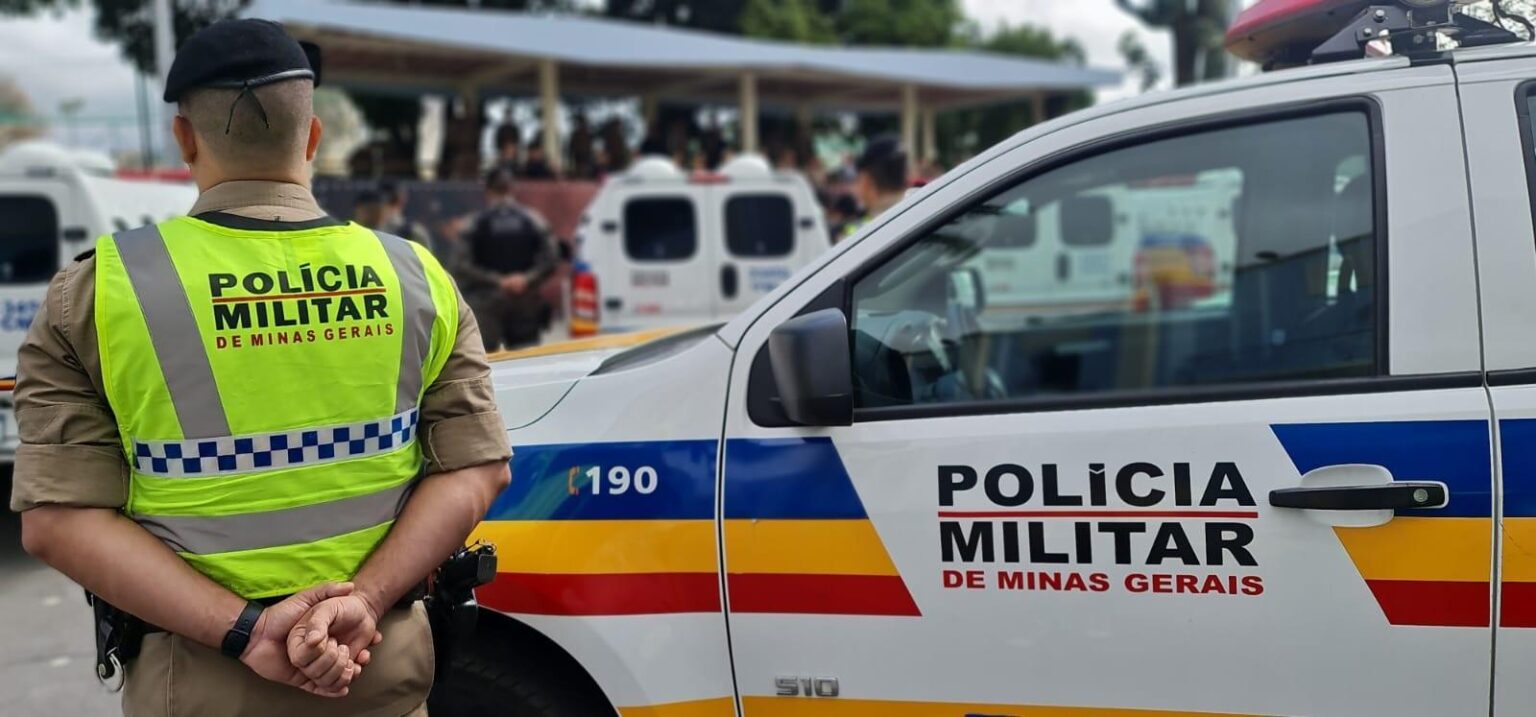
x,y
1282,33
1272,27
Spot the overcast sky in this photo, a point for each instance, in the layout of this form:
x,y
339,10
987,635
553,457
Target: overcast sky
x,y
55,57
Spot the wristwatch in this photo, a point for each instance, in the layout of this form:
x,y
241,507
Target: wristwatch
x,y
240,635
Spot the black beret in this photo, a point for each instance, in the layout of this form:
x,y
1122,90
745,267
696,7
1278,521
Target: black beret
x,y
880,150
236,54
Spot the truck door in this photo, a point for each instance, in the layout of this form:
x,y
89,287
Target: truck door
x,y
758,242
1275,500
1497,102
663,267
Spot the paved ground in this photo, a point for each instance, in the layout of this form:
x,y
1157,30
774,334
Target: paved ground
x,y
46,659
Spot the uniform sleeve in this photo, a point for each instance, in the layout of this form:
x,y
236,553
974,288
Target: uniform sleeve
x,y
548,257
460,423
70,451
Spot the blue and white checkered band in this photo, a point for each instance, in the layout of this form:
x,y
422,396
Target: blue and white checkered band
x,y
231,455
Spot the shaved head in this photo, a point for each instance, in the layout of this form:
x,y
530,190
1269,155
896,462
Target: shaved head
x,y
244,142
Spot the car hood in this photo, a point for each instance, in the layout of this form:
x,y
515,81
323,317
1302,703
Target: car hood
x,y
529,382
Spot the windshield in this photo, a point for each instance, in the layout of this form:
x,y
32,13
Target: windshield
x,y
29,239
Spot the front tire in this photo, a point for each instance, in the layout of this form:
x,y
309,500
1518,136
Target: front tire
x,y
498,673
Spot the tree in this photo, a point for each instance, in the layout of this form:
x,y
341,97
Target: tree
x,y
1197,27
1032,41
1139,60
963,133
794,20
913,23
715,15
130,23
17,120
1510,8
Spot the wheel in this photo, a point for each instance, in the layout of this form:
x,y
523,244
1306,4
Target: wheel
x,y
499,673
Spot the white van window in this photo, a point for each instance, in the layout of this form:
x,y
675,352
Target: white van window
x,y
1221,257
29,239
759,225
660,229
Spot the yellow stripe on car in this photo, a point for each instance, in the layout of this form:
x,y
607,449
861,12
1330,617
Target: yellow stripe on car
x,y
592,547
1412,548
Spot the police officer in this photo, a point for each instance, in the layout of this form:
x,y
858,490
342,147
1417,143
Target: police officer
x,y
508,253
256,428
881,179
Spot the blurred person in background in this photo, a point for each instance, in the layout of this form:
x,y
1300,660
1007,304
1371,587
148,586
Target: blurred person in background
x,y
615,147
842,211
368,209
653,145
392,198
506,254
537,165
579,147
712,146
881,179
785,159
509,144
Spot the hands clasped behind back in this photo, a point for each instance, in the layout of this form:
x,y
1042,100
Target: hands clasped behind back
x,y
318,640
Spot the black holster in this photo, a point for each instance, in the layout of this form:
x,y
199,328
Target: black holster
x,y
451,606
118,638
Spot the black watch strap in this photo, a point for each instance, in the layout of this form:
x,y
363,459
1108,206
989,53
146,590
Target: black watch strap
x,y
240,635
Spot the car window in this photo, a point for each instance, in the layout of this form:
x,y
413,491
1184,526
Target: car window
x,y
759,225
29,239
660,229
1527,108
1220,257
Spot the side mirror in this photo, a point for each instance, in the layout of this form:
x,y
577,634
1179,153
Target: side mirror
x,y
813,368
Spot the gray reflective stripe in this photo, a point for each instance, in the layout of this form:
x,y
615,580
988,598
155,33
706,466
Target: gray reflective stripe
x,y
417,312
173,331
205,535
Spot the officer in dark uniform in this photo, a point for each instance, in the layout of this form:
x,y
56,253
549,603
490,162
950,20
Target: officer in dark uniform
x,y
507,255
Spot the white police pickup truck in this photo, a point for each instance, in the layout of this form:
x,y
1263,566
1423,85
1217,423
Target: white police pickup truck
x,y
1302,484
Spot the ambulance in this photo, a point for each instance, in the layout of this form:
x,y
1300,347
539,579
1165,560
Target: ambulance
x,y
1307,489
658,246
54,202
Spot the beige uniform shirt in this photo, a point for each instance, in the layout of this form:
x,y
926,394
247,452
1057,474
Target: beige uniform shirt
x,y
71,454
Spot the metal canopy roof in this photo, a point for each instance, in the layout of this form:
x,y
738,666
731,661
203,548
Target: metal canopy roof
x,y
493,51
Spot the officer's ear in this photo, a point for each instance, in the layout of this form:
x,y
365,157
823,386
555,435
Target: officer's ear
x,y
315,130
181,128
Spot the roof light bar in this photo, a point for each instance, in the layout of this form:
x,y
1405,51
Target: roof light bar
x,y
1282,33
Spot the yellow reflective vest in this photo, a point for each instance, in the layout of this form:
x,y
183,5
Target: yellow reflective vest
x,y
266,387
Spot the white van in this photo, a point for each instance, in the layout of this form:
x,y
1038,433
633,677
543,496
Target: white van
x,y
1161,243
658,246
55,202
